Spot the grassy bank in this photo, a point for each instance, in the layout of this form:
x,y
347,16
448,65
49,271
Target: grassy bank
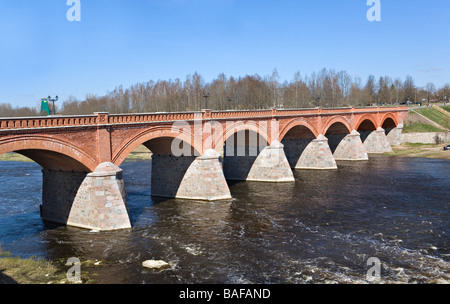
x,y
139,153
14,157
435,115
14,270
417,127
446,108
420,150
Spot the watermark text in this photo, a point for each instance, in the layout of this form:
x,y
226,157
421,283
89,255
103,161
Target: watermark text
x,y
74,12
73,275
374,272
374,12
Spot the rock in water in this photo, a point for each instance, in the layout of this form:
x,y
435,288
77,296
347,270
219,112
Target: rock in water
x,y
152,264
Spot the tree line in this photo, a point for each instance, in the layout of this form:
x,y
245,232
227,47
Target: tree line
x,y
326,88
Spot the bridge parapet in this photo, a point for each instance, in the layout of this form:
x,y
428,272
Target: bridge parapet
x,y
154,117
93,120
47,122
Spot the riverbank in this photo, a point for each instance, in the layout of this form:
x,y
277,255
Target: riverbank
x,y
140,153
16,270
434,151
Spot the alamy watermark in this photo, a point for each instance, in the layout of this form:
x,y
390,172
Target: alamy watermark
x,y
74,12
73,275
374,12
374,272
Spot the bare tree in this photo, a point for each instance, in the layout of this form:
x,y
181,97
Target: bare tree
x,y
409,89
370,91
344,82
431,89
384,95
325,88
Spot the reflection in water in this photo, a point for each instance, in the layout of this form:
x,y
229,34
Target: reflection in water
x,y
321,229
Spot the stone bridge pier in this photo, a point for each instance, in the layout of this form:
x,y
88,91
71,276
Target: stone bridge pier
x,y
346,144
306,151
377,142
189,177
94,200
394,135
317,156
248,157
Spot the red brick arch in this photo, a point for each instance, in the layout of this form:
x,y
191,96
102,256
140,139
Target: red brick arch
x,y
335,119
391,116
363,118
297,122
257,127
154,133
74,156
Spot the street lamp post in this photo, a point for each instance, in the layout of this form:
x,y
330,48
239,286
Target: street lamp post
x,y
206,100
53,101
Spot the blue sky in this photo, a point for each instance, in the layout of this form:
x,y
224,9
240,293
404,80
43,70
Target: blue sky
x,y
120,42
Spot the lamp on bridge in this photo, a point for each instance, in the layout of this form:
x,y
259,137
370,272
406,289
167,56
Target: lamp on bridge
x,y
45,110
206,100
53,101
318,100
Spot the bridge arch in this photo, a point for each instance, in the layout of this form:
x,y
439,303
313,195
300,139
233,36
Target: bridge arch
x,y
365,127
296,136
295,123
336,121
50,153
260,128
363,122
171,173
164,134
390,124
336,129
242,141
389,121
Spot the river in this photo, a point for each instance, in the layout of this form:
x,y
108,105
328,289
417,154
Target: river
x,y
321,229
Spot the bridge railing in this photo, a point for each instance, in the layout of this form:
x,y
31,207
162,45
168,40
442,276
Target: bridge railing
x,y
152,117
47,122
105,118
240,114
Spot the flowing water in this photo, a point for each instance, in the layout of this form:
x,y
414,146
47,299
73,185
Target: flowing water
x,y
321,229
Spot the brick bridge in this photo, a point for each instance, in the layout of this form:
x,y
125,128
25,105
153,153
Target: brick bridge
x,y
194,153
